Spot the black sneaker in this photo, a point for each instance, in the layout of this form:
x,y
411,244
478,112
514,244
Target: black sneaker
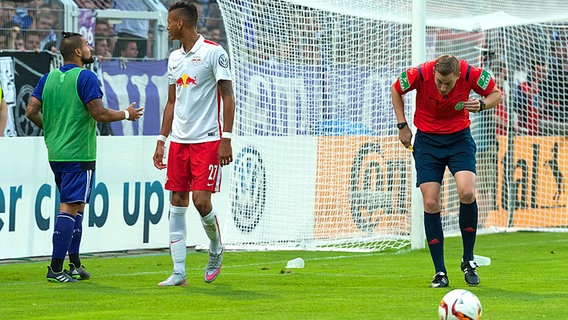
x,y
78,273
440,280
58,277
470,275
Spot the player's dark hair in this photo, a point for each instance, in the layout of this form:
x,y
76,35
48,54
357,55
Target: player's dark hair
x,y
186,11
69,42
447,64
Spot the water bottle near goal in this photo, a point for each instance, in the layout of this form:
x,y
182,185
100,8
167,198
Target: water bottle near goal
x,y
295,263
481,260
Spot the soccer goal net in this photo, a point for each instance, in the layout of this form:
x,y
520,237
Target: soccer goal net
x,y
318,164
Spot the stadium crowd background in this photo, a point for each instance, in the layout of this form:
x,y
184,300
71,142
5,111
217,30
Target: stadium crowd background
x,y
33,25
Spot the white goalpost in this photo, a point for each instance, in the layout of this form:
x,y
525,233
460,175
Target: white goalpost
x,y
318,164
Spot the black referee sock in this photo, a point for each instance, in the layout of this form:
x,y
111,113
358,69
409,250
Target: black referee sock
x,y
468,227
435,238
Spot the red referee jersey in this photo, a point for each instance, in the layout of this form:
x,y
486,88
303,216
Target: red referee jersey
x,y
443,114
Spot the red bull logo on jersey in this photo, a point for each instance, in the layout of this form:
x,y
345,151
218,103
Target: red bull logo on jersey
x,y
186,80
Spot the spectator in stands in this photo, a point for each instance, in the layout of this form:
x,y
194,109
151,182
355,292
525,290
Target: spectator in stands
x,y
89,4
12,32
129,50
558,54
131,29
168,3
103,29
7,11
105,4
86,4
555,96
32,41
213,19
201,13
35,4
215,36
489,127
22,16
33,7
102,49
3,111
150,45
501,81
45,25
204,32
19,43
527,99
69,131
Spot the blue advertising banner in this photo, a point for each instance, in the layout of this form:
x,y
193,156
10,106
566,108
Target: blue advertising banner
x,y
143,82
283,99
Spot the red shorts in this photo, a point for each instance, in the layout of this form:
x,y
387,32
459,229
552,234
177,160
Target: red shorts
x,y
193,167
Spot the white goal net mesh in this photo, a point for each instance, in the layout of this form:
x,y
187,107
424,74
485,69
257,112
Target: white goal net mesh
x,y
318,164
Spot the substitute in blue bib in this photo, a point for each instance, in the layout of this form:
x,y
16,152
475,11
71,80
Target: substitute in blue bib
x,y
443,139
66,104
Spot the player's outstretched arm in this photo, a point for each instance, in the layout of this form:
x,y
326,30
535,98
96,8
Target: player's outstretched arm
x,y
102,114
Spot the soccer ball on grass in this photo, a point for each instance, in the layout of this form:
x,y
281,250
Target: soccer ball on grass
x,y
459,304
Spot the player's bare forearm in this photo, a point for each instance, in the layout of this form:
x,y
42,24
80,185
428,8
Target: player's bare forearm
x,y
33,112
102,114
226,89
225,152
168,115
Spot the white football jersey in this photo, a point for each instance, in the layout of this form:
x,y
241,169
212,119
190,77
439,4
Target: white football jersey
x,y
198,109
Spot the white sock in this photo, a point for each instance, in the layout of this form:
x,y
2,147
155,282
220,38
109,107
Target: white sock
x,y
211,226
177,238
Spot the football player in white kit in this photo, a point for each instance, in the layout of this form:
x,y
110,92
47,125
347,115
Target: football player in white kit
x,y
198,118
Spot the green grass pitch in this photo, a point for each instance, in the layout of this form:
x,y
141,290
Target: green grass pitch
x,y
527,279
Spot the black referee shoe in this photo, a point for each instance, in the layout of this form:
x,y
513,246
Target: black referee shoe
x,y
440,280
470,275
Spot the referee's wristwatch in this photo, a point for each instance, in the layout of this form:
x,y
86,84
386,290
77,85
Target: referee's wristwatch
x,y
481,105
401,125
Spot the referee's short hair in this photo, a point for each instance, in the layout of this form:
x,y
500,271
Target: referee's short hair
x,y
447,64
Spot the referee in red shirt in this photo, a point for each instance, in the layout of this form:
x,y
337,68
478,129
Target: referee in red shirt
x,y
443,138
